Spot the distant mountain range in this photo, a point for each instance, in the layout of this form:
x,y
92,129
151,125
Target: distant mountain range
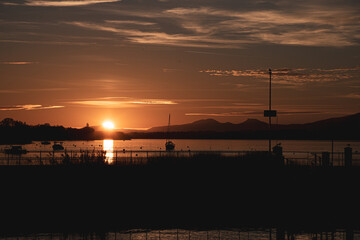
x,y
347,122
341,128
347,127
214,126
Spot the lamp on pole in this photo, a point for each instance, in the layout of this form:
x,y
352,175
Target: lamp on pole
x,y
269,110
270,113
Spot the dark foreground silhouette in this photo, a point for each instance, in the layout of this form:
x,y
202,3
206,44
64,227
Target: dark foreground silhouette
x,y
105,198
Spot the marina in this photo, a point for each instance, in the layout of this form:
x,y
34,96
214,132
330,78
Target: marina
x,y
138,152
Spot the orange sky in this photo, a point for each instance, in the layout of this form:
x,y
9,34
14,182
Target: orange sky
x,y
134,62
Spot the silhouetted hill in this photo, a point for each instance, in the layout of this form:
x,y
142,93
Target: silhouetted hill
x,y
352,121
341,128
347,127
213,126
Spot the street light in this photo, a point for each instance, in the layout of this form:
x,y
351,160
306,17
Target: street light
x,y
269,113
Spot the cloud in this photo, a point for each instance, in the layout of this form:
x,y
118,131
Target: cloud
x,y
10,4
170,70
209,27
44,89
18,63
306,26
126,103
130,22
44,3
161,38
28,107
291,76
24,90
211,24
9,91
238,106
227,114
63,43
352,95
250,113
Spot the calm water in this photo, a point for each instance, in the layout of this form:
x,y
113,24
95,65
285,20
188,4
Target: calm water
x,y
293,149
199,145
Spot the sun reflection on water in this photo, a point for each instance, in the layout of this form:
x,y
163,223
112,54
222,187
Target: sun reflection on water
x,y
108,146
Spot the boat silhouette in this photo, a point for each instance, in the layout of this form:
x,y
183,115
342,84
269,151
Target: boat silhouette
x,y
16,150
169,145
57,146
45,143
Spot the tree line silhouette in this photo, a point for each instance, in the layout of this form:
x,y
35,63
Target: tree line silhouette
x,y
342,128
17,132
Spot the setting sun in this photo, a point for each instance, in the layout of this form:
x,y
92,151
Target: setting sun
x,y
108,125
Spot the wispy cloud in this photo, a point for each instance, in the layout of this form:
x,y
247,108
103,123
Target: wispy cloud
x,y
161,38
213,25
210,27
9,3
125,103
315,26
130,22
55,89
63,43
44,3
226,114
9,91
170,70
18,63
25,90
28,107
290,76
251,113
238,106
352,95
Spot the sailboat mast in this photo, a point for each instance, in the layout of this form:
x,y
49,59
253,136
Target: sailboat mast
x,y
168,130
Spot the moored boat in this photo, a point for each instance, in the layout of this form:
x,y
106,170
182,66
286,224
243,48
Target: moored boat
x,y
15,150
169,145
58,146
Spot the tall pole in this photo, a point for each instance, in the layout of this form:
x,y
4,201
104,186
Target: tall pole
x,y
168,130
269,111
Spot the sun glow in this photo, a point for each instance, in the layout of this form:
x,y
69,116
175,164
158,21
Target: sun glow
x,y
108,125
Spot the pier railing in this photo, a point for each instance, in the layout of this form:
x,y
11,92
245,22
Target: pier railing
x,y
141,157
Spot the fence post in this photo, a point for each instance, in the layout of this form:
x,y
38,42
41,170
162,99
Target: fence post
x,y
325,159
348,156
131,157
40,157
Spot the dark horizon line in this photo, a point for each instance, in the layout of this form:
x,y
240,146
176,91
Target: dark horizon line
x,y
143,129
205,119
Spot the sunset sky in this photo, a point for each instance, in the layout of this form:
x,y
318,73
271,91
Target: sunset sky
x,y
135,61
